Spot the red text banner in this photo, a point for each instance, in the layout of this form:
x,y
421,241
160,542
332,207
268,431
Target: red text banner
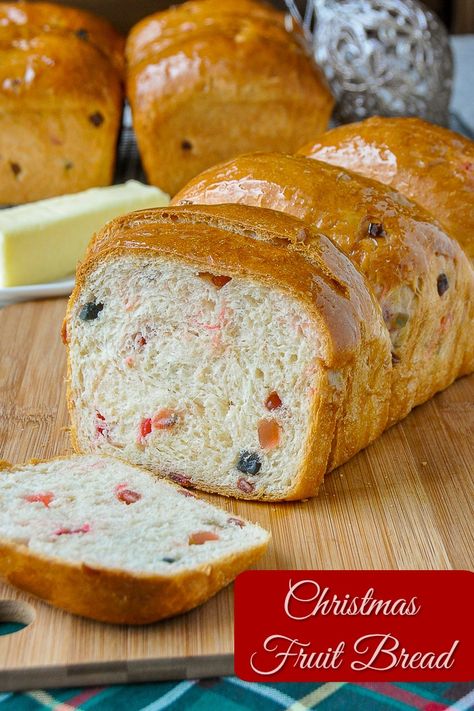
x,y
354,626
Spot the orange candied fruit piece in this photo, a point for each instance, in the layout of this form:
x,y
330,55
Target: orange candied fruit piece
x,y
269,432
273,401
164,419
45,498
200,537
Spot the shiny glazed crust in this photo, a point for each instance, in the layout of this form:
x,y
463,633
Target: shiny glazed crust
x,y
60,100
116,596
350,408
427,163
208,80
436,343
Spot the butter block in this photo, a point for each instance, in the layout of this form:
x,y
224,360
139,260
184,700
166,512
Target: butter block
x,y
43,241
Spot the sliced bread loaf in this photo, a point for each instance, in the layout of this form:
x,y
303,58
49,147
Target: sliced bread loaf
x,y
100,538
229,347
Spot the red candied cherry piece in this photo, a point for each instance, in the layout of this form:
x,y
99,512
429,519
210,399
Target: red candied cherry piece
x,y
139,340
101,427
145,427
180,479
164,419
233,521
245,485
128,496
45,498
64,531
273,401
200,537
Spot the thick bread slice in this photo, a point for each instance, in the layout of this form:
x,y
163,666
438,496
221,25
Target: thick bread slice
x,y
420,276
229,347
100,538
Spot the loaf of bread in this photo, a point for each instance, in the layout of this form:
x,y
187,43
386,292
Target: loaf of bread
x,y
208,80
421,278
100,538
61,73
429,164
230,348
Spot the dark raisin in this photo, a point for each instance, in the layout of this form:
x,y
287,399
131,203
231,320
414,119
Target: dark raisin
x,y
395,359
249,463
90,311
15,168
96,119
169,560
82,33
442,284
68,165
376,229
186,145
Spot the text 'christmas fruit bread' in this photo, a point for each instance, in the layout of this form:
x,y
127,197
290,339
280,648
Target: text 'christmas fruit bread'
x,y
421,278
100,538
61,73
229,348
429,164
208,80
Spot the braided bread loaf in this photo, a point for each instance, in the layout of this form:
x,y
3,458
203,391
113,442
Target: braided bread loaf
x,y
229,348
421,278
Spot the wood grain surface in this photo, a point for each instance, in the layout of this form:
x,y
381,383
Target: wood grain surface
x,y
405,502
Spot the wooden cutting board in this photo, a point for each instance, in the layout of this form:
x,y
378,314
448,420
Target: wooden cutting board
x,y
405,502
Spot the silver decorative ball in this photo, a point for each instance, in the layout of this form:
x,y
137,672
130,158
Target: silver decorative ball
x,y
384,57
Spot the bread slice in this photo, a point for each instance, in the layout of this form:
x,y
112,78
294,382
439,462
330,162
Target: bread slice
x,y
100,538
228,347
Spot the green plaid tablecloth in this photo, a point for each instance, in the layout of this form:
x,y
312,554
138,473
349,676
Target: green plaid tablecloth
x,y
232,694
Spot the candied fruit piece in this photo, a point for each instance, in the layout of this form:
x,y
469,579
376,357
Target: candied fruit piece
x,y
273,401
200,537
101,426
442,284
164,419
128,496
245,485
233,521
249,463
376,229
45,498
181,479
145,427
269,432
64,531
90,311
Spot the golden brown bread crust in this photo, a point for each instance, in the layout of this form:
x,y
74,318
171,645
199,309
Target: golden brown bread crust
x,y
208,80
427,163
432,333
116,596
60,100
350,408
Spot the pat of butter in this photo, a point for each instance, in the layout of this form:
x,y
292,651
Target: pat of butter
x,y
43,241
